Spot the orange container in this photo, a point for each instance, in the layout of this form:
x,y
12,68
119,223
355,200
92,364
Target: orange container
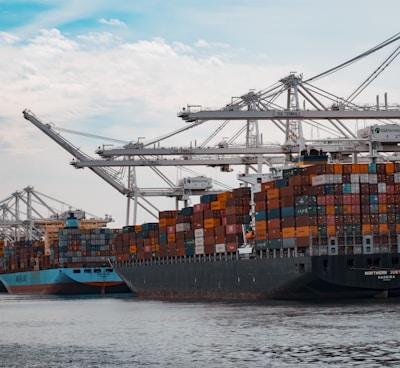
x,y
171,238
261,234
218,205
267,186
390,168
383,228
366,228
347,209
224,195
337,168
314,230
331,230
302,231
330,209
212,222
288,232
260,225
273,193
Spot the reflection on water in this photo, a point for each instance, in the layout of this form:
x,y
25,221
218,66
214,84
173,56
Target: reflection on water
x,y
121,331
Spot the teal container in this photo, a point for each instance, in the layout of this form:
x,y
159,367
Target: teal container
x,y
280,183
287,211
189,249
274,213
261,215
261,244
274,244
373,198
301,210
339,210
288,242
187,211
329,189
372,168
346,187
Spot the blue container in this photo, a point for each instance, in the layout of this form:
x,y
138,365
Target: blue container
x,y
150,226
280,183
261,215
187,211
261,244
301,210
373,198
207,198
287,211
329,189
374,208
189,249
274,213
163,238
288,242
372,168
346,187
274,244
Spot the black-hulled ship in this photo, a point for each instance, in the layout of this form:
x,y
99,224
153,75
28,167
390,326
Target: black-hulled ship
x,y
321,231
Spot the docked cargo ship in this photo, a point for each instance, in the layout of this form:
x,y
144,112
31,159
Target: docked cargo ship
x,y
76,261
319,231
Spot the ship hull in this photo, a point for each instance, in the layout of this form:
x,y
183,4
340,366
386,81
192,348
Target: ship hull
x,y
64,281
297,278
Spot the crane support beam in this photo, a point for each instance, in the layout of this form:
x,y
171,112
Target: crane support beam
x,y
208,161
189,116
182,151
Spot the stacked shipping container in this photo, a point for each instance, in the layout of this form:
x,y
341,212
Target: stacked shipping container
x,y
215,225
315,203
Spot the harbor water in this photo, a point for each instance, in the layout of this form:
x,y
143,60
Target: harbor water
x,y
121,331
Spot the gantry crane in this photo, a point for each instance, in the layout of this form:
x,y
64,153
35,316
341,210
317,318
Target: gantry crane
x,y
29,215
291,107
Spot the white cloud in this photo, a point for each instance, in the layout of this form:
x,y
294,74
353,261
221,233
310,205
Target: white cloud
x,y
8,38
112,22
205,44
99,38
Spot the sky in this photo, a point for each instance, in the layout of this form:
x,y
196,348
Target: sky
x,y
123,70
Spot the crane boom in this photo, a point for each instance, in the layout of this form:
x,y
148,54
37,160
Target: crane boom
x,y
74,151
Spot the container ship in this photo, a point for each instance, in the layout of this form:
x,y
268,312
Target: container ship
x,y
74,260
328,230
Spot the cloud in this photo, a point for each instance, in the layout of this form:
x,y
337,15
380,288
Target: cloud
x,y
112,22
8,38
205,44
99,38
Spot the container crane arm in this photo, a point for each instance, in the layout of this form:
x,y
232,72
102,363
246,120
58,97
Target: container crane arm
x,y
74,151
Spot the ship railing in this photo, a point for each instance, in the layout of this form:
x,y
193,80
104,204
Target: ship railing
x,y
338,244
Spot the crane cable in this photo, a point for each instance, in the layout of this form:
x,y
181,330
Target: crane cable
x,y
353,60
